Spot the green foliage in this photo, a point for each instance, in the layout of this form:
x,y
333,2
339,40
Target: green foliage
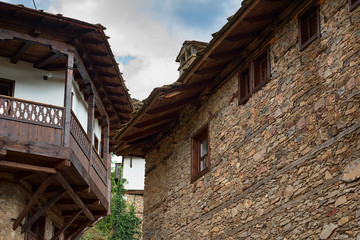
x,y
121,224
125,224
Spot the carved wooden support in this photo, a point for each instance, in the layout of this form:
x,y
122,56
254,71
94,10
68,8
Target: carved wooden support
x,y
33,200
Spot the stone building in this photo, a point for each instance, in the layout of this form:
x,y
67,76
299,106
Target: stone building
x,y
259,138
62,98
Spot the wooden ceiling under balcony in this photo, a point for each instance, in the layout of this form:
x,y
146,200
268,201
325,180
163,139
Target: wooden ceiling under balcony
x,y
252,26
91,44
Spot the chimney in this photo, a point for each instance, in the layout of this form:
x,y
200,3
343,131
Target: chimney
x,y
188,53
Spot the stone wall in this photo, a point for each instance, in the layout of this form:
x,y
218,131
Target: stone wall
x,y
277,161
138,201
12,202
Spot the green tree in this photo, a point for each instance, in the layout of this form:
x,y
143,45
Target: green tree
x,y
126,225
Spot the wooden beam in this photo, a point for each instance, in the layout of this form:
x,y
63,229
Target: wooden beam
x,y
214,69
62,164
26,167
34,148
21,52
91,41
71,202
98,54
33,199
73,195
242,36
261,18
77,234
78,189
229,54
3,153
67,214
169,106
86,77
67,224
46,60
105,74
56,46
41,212
153,130
103,65
167,117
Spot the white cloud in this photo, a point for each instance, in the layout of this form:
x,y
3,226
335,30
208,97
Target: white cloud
x,y
150,31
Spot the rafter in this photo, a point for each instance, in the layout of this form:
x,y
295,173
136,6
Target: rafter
x,y
169,106
164,118
46,60
242,36
20,52
214,69
33,199
217,56
261,18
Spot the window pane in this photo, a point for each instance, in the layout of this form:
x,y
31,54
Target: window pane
x,y
202,164
203,147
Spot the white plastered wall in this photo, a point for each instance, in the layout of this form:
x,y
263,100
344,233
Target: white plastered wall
x,y
135,175
30,85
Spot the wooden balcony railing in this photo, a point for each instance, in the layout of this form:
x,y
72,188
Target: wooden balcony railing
x,y
99,165
80,135
31,112
85,144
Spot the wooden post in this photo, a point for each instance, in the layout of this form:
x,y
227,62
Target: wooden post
x,y
67,97
107,161
91,116
90,127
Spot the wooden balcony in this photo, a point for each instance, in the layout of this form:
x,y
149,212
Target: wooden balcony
x,y
33,147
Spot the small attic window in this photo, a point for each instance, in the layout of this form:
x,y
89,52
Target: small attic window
x,y
309,26
353,4
7,87
244,86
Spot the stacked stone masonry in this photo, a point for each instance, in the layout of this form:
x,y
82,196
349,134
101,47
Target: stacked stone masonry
x,y
276,161
12,201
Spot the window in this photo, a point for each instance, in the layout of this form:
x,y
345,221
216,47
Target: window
x,y
244,86
200,154
7,87
96,143
261,71
256,75
309,26
353,4
36,230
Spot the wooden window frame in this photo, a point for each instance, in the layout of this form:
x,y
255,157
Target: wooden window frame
x,y
201,135
353,4
96,143
10,83
258,70
39,226
304,25
255,74
244,82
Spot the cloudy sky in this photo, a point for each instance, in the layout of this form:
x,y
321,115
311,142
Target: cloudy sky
x,y
146,35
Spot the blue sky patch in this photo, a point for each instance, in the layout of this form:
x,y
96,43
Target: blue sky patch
x,y
125,59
